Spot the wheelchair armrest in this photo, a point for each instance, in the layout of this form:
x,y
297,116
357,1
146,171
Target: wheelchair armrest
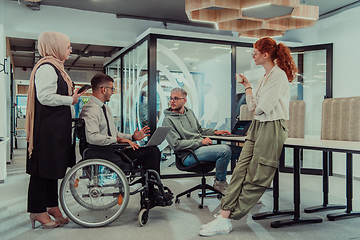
x,y
111,146
76,120
191,152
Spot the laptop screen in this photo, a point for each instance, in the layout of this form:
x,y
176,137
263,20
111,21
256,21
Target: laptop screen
x,y
241,127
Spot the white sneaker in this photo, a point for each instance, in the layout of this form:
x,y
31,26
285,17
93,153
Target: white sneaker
x,y
218,226
215,216
221,186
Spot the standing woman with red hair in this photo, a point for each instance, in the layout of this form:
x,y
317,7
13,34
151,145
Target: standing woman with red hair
x,y
266,136
48,128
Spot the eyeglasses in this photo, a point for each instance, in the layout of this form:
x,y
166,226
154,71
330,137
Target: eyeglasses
x,y
175,99
112,88
70,48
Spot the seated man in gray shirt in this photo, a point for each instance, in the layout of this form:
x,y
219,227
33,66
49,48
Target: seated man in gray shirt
x,y
100,130
186,133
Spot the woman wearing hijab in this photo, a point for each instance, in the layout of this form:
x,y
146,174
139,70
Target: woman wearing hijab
x,y
48,128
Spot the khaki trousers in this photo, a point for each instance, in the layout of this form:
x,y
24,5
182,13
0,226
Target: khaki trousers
x,y
256,166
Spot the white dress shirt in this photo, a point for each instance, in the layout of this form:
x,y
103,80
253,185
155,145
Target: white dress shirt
x,y
272,97
95,124
46,87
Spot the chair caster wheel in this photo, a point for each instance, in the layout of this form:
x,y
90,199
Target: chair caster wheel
x,y
143,217
219,196
201,206
188,195
177,200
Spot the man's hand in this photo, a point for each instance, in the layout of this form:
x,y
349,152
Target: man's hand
x,y
206,141
222,132
138,135
132,144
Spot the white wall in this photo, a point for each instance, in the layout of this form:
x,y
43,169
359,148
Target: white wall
x,y
343,31
3,99
81,26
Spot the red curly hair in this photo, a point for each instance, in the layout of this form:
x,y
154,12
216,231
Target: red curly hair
x,y
280,53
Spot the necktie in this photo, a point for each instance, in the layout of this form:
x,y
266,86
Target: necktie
x,y
107,120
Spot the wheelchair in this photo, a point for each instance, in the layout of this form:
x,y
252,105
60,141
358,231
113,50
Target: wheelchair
x,y
95,192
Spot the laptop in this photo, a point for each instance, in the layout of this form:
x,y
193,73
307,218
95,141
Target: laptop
x,y
158,137
240,129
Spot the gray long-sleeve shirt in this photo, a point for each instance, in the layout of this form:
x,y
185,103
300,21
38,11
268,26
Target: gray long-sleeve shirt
x,y
186,131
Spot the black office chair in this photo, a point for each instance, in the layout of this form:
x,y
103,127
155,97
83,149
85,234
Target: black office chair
x,y
202,168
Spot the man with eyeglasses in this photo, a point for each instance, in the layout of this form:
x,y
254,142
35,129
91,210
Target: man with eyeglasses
x,y
187,133
100,130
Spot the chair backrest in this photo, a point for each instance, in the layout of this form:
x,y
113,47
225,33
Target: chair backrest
x,y
245,114
296,122
80,133
340,119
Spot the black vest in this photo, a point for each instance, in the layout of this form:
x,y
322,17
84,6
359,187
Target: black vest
x,y
52,152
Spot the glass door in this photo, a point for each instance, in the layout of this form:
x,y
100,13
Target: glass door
x,y
312,86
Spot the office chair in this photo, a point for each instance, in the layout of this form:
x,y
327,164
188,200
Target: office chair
x,y
202,168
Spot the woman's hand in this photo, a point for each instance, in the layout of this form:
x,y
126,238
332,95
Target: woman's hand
x,y
138,135
245,81
76,96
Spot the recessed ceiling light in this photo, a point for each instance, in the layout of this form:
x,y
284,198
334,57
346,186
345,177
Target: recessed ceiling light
x,y
304,18
220,47
261,5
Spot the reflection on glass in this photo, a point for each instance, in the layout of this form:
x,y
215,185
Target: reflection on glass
x,y
135,92
311,88
203,70
246,66
114,71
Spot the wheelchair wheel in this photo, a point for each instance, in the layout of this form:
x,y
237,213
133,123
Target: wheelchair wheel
x,y
94,193
143,217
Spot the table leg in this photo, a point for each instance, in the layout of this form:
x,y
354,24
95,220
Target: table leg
x,y
296,219
275,212
325,206
349,193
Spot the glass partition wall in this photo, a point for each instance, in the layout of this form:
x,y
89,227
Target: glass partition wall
x,y
312,86
146,72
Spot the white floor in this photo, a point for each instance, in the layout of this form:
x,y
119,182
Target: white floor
x,y
183,220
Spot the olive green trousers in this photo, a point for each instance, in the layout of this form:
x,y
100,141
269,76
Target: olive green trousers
x,y
256,166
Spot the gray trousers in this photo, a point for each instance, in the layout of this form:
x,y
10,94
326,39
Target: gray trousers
x,y
256,166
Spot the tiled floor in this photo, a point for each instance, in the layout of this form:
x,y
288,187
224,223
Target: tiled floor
x,y
182,220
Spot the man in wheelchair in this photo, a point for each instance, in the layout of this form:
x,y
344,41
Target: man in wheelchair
x,y
100,132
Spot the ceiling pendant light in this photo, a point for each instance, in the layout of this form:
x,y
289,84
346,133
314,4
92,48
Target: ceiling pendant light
x,y
253,18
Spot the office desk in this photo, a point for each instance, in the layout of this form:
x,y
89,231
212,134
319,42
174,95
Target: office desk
x,y
313,144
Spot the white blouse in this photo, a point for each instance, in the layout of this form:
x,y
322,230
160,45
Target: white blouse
x,y
46,87
272,97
